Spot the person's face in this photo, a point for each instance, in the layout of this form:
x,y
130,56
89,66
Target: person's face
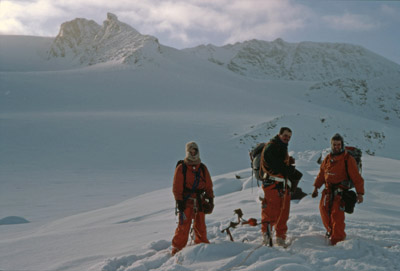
x,y
193,151
285,137
336,146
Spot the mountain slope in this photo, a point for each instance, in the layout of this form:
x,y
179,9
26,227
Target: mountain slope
x,y
309,61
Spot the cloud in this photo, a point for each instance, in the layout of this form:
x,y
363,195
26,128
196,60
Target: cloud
x,y
184,23
351,22
391,12
266,19
27,17
185,20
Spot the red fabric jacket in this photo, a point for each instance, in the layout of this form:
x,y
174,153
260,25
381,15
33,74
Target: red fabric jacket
x,y
204,184
333,171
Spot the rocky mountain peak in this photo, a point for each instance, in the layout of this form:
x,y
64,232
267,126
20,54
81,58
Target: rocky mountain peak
x,y
87,43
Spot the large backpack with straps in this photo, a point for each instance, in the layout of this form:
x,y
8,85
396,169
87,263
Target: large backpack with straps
x,y
255,158
348,196
184,170
353,151
189,191
357,154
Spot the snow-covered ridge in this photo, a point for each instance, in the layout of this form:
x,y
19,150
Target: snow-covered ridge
x,y
310,61
88,43
361,96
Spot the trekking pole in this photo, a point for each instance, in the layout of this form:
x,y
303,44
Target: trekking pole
x,y
269,235
191,233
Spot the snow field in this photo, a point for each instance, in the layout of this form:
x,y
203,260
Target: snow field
x,y
370,244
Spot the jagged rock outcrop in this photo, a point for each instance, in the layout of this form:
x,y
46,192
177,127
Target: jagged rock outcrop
x,y
88,43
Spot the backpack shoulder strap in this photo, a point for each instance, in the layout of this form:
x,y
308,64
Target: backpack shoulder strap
x,y
203,169
347,155
347,171
184,169
263,168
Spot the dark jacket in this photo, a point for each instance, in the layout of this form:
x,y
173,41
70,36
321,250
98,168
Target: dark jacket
x,y
276,157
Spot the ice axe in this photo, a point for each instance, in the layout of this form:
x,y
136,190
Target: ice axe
x,y
239,213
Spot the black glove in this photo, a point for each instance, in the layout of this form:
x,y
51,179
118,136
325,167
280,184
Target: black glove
x,y
181,205
208,206
314,193
294,178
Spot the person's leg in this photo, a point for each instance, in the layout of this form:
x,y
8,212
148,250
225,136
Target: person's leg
x,y
200,229
182,230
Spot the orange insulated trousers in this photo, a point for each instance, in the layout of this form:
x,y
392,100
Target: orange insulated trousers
x,y
275,210
332,215
182,231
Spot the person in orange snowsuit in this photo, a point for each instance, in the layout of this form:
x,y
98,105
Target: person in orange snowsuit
x,y
332,173
278,176
194,196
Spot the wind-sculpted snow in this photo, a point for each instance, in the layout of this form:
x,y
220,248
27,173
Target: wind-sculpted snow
x,y
11,220
88,43
224,186
307,61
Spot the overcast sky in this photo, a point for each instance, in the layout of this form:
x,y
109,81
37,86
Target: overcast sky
x,y
188,23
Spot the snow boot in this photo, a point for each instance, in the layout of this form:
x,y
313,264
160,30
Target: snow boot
x,y
281,242
174,251
267,239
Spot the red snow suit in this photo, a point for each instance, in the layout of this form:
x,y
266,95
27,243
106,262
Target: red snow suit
x,y
191,210
333,171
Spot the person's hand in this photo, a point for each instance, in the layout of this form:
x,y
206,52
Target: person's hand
x,y
360,198
181,205
315,193
291,160
208,207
